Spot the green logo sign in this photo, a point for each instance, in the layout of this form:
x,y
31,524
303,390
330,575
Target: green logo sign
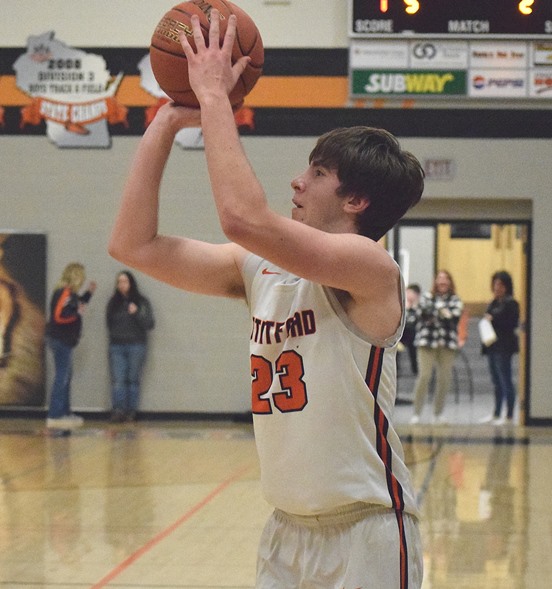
x,y
408,82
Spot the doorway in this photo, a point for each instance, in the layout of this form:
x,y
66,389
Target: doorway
x,y
471,250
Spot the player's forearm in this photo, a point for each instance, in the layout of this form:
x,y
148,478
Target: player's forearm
x,y
137,219
239,196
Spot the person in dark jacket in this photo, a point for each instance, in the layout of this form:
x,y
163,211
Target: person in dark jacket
x,y
63,332
503,313
129,318
412,299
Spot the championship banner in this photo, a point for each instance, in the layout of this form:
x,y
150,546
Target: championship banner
x,y
22,318
71,90
78,101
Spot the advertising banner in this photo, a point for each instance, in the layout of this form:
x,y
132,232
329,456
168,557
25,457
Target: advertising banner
x,y
408,83
488,54
495,83
438,54
540,83
377,54
481,69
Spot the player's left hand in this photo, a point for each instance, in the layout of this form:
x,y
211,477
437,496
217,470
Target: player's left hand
x,y
210,67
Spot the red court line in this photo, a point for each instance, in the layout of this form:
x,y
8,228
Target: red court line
x,y
123,566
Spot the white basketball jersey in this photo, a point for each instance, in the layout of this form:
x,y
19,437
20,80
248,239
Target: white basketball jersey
x,y
321,400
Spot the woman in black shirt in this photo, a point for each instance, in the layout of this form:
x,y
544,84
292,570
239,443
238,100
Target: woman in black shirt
x,y
129,318
503,312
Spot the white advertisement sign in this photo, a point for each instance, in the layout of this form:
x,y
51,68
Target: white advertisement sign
x,y
497,83
542,54
500,55
490,69
378,54
439,54
540,83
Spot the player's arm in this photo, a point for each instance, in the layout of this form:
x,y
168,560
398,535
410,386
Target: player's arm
x,y
185,263
344,261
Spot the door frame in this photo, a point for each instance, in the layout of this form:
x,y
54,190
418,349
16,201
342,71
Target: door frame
x,y
525,410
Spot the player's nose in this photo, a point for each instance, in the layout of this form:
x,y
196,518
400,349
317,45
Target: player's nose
x,y
298,184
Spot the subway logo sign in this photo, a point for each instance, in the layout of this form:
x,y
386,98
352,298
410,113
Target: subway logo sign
x,y
409,82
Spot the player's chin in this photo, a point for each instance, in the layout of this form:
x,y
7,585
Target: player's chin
x,y
296,214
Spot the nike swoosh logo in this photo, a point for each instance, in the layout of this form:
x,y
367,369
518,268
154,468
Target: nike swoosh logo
x,y
266,271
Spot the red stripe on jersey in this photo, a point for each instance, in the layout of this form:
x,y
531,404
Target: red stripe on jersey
x,y
403,551
373,376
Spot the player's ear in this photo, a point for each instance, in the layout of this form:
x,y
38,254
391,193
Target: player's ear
x,y
356,204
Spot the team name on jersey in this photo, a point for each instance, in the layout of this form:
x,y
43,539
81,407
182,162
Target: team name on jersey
x,y
274,332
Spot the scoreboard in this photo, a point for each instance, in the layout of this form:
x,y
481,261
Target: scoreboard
x,y
529,19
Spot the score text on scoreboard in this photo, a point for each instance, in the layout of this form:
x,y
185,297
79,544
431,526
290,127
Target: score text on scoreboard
x,y
451,18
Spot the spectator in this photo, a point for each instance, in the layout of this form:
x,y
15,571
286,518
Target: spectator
x,y
439,312
63,333
503,313
129,318
413,292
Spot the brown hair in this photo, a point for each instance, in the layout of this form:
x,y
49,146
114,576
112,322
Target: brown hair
x,y
370,163
452,287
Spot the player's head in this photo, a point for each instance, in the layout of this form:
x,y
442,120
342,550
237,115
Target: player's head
x,y
370,163
73,276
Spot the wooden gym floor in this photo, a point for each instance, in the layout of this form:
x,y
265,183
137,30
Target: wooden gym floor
x,y
165,505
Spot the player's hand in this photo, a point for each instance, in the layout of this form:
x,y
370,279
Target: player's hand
x,y
210,68
178,117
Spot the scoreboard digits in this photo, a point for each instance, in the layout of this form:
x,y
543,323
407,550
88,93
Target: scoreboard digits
x,y
451,18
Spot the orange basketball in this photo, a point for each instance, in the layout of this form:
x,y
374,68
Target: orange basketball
x,y
169,63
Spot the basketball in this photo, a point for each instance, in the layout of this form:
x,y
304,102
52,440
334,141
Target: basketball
x,y
169,63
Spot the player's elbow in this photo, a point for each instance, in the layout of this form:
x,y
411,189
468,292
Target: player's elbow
x,y
242,220
237,227
233,228
117,250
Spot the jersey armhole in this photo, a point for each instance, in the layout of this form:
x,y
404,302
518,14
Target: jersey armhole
x,y
389,342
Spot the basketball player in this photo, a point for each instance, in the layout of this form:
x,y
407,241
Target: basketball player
x,y
327,310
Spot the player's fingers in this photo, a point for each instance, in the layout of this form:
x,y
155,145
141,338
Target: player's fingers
x,y
230,34
214,28
197,34
186,47
239,67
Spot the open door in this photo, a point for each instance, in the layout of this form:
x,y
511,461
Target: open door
x,y
472,251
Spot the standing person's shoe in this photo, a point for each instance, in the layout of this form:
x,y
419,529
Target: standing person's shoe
x,y
65,422
131,416
118,416
492,419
